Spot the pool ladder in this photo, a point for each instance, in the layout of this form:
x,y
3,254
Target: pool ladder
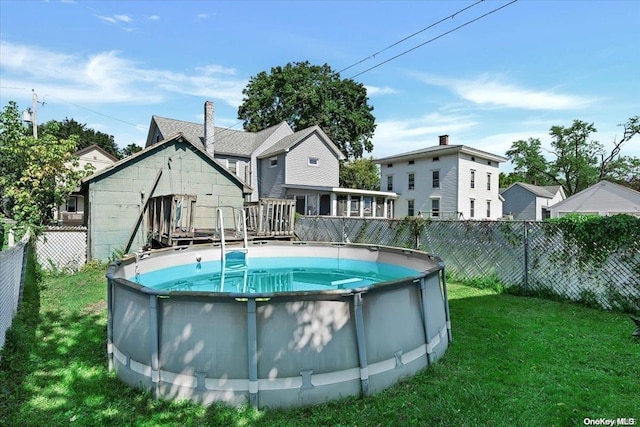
x,y
229,259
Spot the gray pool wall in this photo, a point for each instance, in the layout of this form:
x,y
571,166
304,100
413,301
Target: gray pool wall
x,y
275,349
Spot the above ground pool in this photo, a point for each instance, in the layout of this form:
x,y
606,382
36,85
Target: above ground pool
x,y
277,324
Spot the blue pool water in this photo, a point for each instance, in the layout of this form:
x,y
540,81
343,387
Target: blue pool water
x,y
265,275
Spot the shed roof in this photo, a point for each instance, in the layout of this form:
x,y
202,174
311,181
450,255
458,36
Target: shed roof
x,y
156,147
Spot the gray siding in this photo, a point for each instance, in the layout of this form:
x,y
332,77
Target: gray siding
x,y
272,178
520,203
299,172
116,197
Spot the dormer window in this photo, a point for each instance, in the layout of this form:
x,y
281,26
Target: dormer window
x,y
313,161
273,162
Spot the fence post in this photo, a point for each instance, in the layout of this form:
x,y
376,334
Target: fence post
x,y
526,255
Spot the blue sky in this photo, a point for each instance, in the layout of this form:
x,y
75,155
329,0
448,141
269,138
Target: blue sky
x,y
507,76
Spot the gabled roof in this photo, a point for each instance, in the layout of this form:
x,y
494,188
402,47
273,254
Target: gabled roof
x,y
226,141
548,191
95,147
615,197
178,137
441,150
288,142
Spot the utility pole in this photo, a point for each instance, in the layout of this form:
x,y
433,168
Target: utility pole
x,y
34,114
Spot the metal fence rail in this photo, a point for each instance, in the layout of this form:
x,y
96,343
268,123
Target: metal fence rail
x,y
12,272
531,255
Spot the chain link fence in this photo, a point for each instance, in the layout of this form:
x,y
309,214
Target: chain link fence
x,y
62,249
13,263
530,256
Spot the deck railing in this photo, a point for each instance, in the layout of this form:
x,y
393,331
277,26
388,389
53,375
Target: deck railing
x,y
271,217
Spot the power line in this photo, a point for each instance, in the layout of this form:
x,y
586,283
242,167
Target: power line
x,y
93,111
411,35
435,38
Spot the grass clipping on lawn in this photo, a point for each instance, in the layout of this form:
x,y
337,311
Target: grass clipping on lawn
x,y
514,361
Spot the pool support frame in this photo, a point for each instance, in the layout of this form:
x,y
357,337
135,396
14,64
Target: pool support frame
x,y
299,347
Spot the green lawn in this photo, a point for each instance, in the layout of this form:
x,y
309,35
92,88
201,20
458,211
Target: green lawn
x,y
515,361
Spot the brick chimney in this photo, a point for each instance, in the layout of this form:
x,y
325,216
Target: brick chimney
x,y
208,127
444,139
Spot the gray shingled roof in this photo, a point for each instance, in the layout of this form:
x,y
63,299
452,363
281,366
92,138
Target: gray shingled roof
x,y
227,141
286,142
548,191
433,150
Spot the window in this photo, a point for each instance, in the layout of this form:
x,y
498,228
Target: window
x,y
367,206
489,162
379,207
435,177
473,159
232,165
273,162
472,208
436,159
488,182
488,208
72,204
410,207
342,205
411,162
473,178
355,205
389,165
412,181
313,161
435,208
389,182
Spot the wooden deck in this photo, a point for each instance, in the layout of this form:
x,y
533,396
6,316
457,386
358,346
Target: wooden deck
x,y
171,221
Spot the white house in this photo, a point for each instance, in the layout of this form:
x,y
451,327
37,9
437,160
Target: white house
x,y
72,212
524,201
279,163
444,181
603,198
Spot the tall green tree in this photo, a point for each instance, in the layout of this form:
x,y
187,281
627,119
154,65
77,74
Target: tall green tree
x,y
304,95
360,173
36,175
578,161
85,136
130,149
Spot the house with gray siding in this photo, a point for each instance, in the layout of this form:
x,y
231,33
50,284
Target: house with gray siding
x,y
444,182
116,198
280,163
530,202
604,198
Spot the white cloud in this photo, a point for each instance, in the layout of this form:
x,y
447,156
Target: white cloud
x,y
154,18
107,77
108,19
202,16
123,18
487,91
374,90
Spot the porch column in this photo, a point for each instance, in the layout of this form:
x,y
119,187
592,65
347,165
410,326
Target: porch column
x,y
384,211
348,204
334,204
